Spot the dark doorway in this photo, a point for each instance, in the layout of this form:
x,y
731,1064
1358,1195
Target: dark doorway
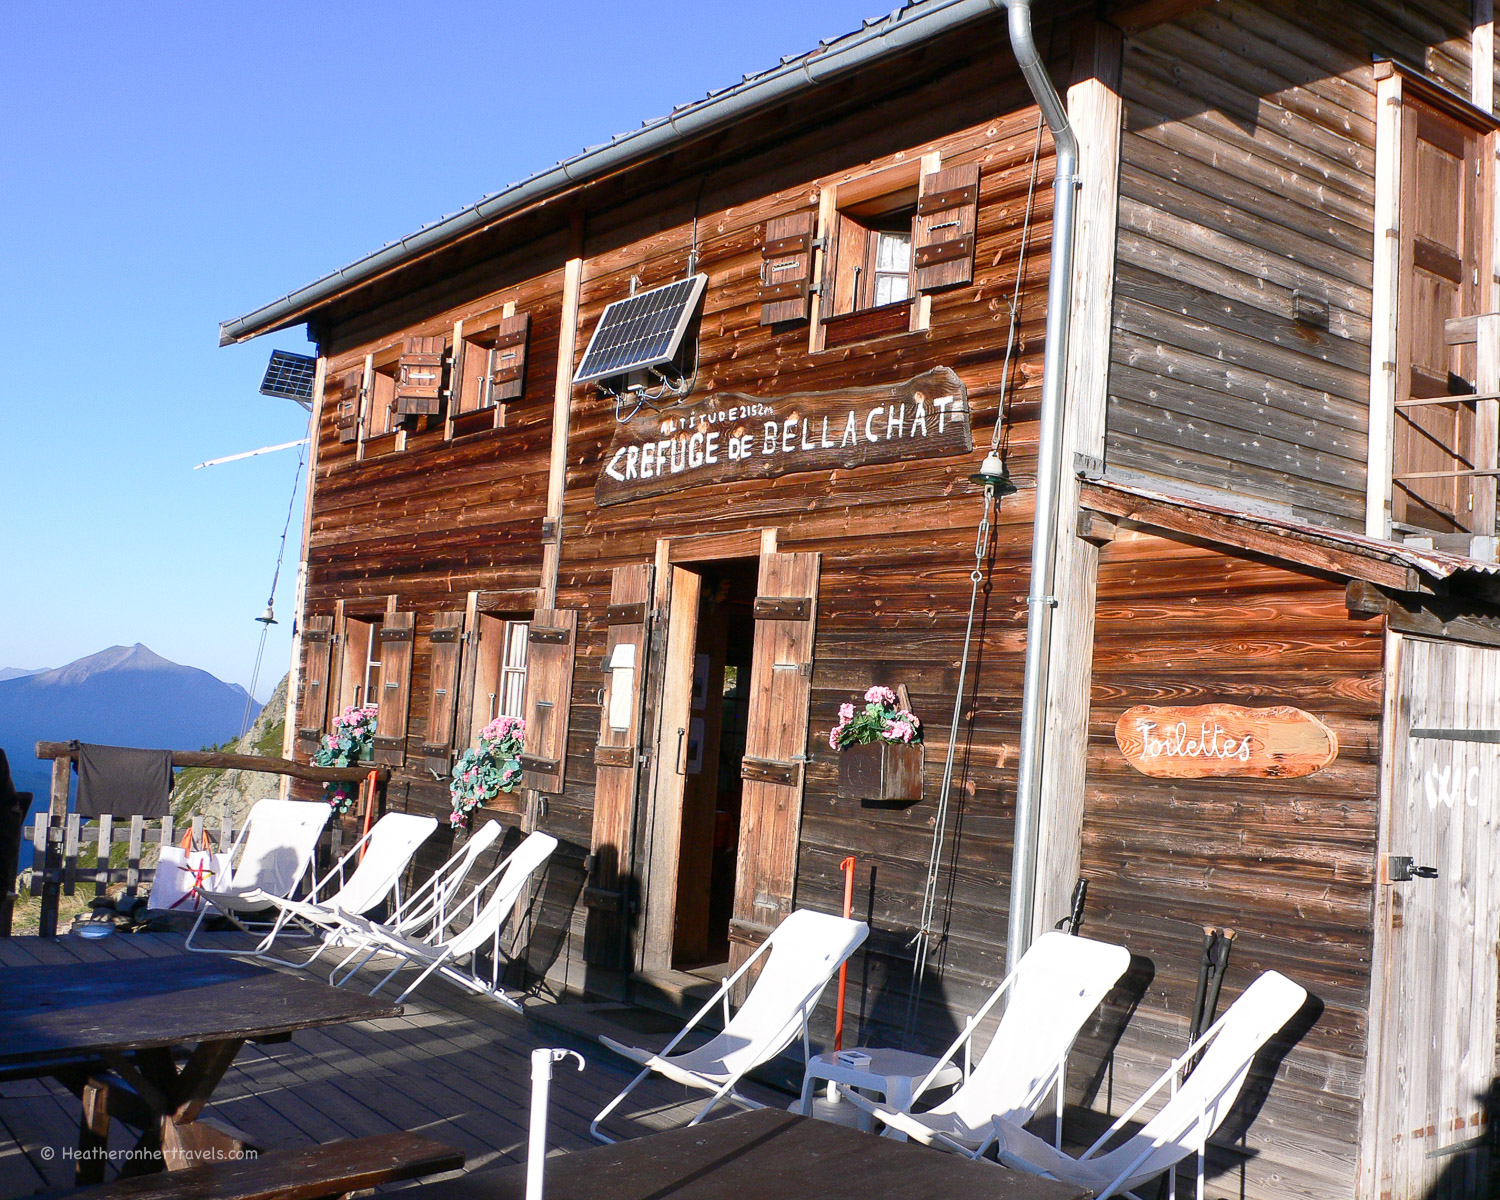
x,y
709,853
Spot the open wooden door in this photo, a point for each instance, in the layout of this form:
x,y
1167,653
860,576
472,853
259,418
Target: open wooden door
x,y
1433,1019
1437,479
616,763
786,608
669,767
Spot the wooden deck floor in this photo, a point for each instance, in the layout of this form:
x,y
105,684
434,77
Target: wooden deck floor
x,y
455,1067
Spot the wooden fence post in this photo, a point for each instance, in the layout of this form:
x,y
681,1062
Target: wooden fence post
x,y
57,813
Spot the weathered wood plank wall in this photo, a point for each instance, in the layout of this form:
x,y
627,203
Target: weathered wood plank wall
x,y
429,522
896,541
1289,864
1247,188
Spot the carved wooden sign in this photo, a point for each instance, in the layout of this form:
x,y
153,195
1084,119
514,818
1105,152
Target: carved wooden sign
x,y
1209,740
730,436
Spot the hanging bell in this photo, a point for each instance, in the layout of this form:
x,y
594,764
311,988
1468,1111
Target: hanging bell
x,y
268,617
992,475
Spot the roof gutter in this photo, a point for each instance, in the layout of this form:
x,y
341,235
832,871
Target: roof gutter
x,y
1040,601
882,39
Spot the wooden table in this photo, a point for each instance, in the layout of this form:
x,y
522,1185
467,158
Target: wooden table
x,y
767,1153
108,1029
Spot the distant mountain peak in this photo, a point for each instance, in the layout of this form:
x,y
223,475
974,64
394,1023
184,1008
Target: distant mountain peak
x,y
138,657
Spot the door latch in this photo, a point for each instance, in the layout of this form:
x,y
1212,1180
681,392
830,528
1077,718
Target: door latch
x,y
1402,868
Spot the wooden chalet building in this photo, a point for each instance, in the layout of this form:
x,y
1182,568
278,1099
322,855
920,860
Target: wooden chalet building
x,y
1257,411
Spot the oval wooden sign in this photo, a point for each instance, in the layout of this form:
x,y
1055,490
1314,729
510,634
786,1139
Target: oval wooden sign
x,y
1207,740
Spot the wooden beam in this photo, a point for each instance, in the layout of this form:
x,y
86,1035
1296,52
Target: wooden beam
x,y
1482,56
1383,332
1095,110
62,754
299,600
562,408
1097,528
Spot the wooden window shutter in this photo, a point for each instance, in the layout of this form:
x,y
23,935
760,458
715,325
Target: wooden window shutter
x,y
445,642
946,226
507,359
351,383
551,644
395,687
786,608
616,763
312,711
419,377
786,268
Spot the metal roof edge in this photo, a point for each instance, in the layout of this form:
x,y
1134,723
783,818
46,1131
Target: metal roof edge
x,y
919,21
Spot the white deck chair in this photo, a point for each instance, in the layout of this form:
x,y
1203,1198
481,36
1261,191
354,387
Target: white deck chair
x,y
429,902
805,951
1197,1107
487,905
365,876
1056,987
274,850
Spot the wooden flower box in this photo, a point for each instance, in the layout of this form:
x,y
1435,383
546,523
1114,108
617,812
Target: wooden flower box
x,y
882,774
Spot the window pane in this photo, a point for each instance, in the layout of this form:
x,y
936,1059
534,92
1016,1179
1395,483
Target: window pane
x,y
515,644
893,252
891,288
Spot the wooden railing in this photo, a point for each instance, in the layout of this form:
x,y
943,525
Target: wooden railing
x,y
59,837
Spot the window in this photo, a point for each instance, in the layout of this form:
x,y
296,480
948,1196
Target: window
x,y
360,678
380,400
867,262
490,369
872,262
500,670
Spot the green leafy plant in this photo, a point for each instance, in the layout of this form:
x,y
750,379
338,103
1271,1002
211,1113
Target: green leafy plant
x,y
880,720
351,739
484,771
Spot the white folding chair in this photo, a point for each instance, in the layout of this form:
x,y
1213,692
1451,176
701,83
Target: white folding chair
x,y
1198,1104
487,906
366,876
802,954
274,850
1056,987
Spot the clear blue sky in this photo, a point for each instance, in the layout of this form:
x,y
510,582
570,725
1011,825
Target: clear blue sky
x,y
167,166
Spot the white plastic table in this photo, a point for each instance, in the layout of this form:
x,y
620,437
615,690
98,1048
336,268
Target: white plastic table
x,y
893,1074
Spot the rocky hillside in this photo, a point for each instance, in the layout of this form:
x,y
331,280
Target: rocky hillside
x,y
216,793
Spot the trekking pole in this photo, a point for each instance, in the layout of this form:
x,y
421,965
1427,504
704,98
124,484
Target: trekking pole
x,y
1074,919
1221,961
536,1146
1205,968
847,867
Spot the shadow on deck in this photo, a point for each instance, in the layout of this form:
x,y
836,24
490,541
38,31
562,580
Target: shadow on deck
x,y
455,1067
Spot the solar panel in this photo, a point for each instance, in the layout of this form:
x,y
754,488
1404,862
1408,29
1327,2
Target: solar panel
x,y
642,331
289,376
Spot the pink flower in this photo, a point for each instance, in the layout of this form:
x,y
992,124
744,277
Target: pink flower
x,y
846,713
880,695
900,731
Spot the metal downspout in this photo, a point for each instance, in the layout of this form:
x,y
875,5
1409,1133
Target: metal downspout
x,y
1040,601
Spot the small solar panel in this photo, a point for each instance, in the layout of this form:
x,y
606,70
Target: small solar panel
x,y
642,331
289,376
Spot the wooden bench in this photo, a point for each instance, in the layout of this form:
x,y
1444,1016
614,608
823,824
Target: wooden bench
x,y
333,1169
